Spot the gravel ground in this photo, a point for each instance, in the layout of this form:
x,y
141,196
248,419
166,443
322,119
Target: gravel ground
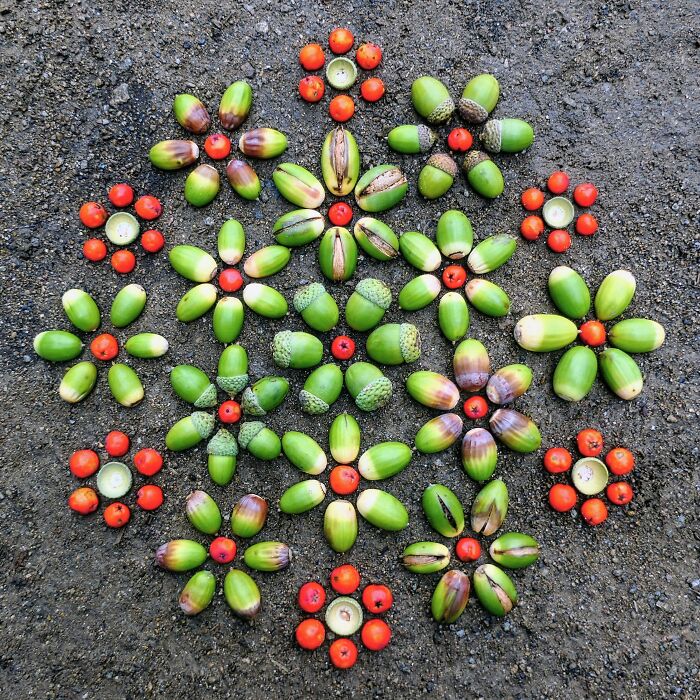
x,y
612,91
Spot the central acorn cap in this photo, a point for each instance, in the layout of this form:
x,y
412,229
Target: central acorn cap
x,y
409,341
376,291
375,395
312,404
203,423
426,137
491,135
443,162
223,444
472,159
304,297
248,431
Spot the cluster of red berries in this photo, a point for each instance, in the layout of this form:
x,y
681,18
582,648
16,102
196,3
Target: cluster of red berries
x,y
619,461
375,634
85,463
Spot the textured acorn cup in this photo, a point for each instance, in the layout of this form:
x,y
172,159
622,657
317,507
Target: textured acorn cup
x,y
298,186
489,508
196,302
453,316
411,139
243,179
509,382
394,344
340,162
431,100
376,238
575,373
203,513
384,460
235,104
232,370
127,305
125,385
454,235
344,438
81,310
443,510
483,175
180,555
173,154
242,594
515,430
340,525
299,227
589,476
621,373
146,345
227,319
230,242
260,441
515,550
78,382
381,188
569,292
343,616
437,176
419,292
317,307
304,452
614,295
267,261
337,254
367,304
494,589
268,556
197,593
321,389
296,349
419,251
507,135
249,515
432,390
189,431
491,253
425,557
202,185
302,497
264,396
265,301
262,143
368,386
192,263
487,297
57,346
450,597
222,451
479,97
382,510
637,335
479,454
544,332
191,114
439,433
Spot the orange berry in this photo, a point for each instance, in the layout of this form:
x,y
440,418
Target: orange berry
x,y
149,497
372,89
312,57
557,460
592,333
586,225
558,182
620,461
117,514
93,215
148,207
532,199
311,88
531,227
83,500
341,108
594,511
589,442
94,249
123,261
620,493
341,40
84,463
562,497
368,56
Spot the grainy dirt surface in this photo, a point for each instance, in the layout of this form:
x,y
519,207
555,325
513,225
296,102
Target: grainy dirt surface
x,y
612,91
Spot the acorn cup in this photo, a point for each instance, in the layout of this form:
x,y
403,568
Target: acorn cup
x,y
432,390
487,297
569,292
173,154
394,344
637,335
222,451
78,382
483,175
267,261
304,452
491,253
81,310
264,396
262,143
614,295
515,550
437,176
489,508
621,373
299,227
443,510
259,440
321,389
454,235
248,515
453,316
197,593
419,292
340,525
337,254
384,460
196,302
544,332
242,594
382,510
146,346
479,97
298,186
125,385
508,383
235,104
192,263
418,250
340,161
127,305
376,238
344,438
202,185
227,319
450,597
507,135
479,454
381,188
316,306
232,371
439,433
515,430
268,556
57,346
425,557
494,589
296,349
367,304
203,513
180,555
302,497
471,365
243,179
264,300
368,386
230,242
575,373
189,431
431,100
411,138
191,114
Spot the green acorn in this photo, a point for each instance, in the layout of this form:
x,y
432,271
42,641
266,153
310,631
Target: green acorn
x,y
202,185
453,316
78,382
637,335
454,235
368,386
515,430
203,513
267,261
248,515
494,589
381,188
235,104
189,431
479,454
483,175
268,556
265,301
439,433
180,555
367,304
127,305
340,525
376,238
81,309
491,253
191,114
242,594
443,510
232,371
196,302
302,497
230,242
198,593
337,254
383,460
621,373
507,383
419,292
478,99
425,557
569,292
243,179
471,365
411,139
544,332
394,344
264,396
507,135
262,143
489,508
321,389
432,390
304,452
298,227
418,250
57,346
344,438
487,297
614,295
222,451
340,161
575,373
298,186
227,319
173,154
515,550
431,100
193,263
450,597
437,176
146,345
382,510
317,307
125,385
259,440
296,349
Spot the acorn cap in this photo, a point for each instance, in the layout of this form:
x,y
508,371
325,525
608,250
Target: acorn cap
x,y
341,73
375,395
203,423
558,212
472,159
248,431
443,162
305,296
491,135
223,444
375,291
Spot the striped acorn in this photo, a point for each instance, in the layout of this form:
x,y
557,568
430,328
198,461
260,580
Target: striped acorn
x,y
507,383
302,497
439,433
489,508
614,295
453,316
202,185
299,227
437,176
575,373
491,253
487,297
411,138
191,114
232,370
57,346
197,593
425,557
296,349
382,510
316,306
367,304
450,597
180,555
267,261
419,292
230,242
621,373
262,143
189,431
340,525
432,390
431,100
173,154
376,239
494,589
321,389
637,335
81,310
515,430
368,386
268,556
340,161
454,235
78,382
471,365
443,510
478,99
243,179
127,305
384,460
483,175
222,451
192,263
569,292
227,319
242,594
259,440
125,385
381,188
264,300
337,254
394,344
264,396
515,550
248,515
298,186
344,438
418,250
203,513
235,104
507,135
146,345
544,332
479,454
304,452
196,302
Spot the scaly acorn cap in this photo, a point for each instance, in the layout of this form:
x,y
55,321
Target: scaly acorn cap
x,y
232,385
321,388
283,349
491,135
375,395
472,159
409,340
305,296
443,162
248,431
426,137
375,291
203,423
223,444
